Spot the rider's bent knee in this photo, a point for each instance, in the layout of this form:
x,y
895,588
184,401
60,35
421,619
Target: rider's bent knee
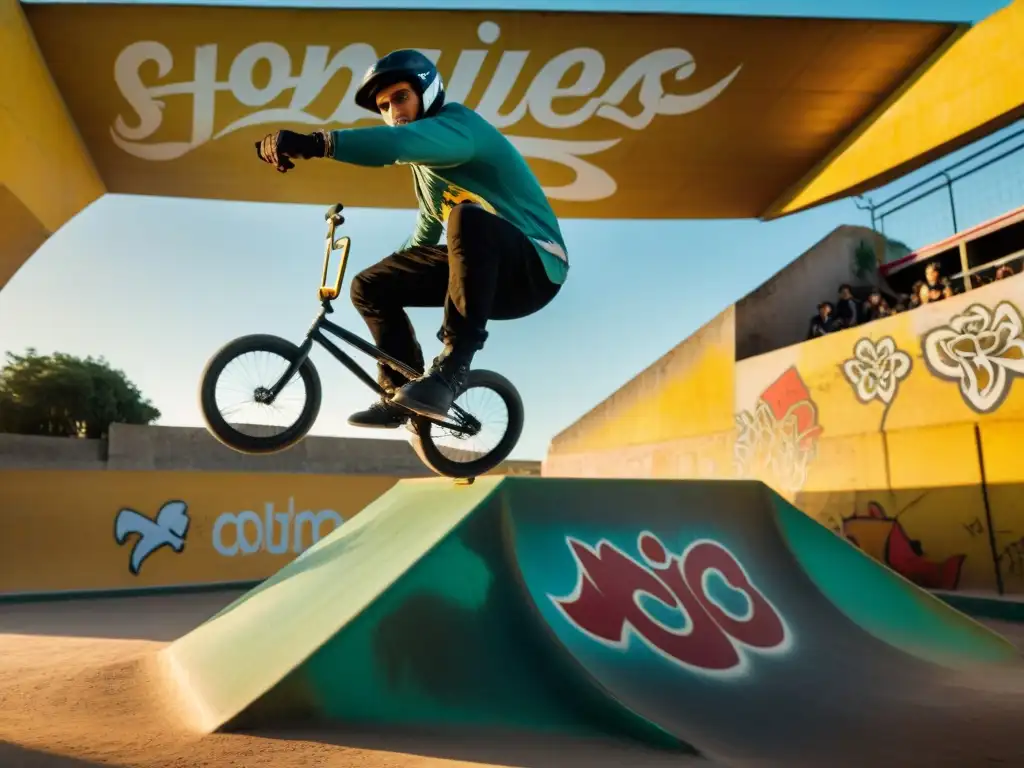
x,y
465,212
360,290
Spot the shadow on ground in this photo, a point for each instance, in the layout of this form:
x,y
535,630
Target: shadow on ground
x,y
160,618
14,756
524,750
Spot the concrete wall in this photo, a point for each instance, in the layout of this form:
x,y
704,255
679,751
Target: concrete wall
x,y
63,502
133,447
901,435
48,175
778,313
686,392
30,452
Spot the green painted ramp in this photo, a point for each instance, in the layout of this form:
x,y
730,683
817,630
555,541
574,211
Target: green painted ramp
x,y
252,645
711,614
410,613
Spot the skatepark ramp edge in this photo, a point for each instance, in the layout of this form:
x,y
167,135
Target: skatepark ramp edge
x,y
657,609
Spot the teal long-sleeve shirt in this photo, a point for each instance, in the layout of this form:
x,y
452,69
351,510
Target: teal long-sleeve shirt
x,y
456,156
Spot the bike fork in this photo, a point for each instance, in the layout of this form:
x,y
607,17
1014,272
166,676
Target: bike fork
x,y
293,368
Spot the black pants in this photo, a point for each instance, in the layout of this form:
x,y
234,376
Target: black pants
x,y
489,270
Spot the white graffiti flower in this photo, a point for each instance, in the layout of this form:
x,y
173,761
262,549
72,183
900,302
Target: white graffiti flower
x,y
982,349
875,370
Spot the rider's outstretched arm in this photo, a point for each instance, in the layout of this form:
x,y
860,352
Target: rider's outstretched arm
x,y
435,142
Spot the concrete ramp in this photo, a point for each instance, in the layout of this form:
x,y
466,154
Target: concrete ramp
x,y
250,648
710,614
411,613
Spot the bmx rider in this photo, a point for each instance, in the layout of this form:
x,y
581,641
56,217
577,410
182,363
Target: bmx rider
x,y
504,255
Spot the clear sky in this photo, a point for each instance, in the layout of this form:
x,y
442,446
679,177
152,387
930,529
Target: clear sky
x,y
156,285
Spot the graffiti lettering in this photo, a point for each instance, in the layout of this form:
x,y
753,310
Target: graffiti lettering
x,y
777,441
605,604
319,68
253,533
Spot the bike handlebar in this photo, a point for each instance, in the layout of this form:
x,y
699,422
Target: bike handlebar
x,y
334,219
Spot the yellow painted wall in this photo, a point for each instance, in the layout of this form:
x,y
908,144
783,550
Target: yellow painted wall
x,y
46,173
1004,483
975,87
902,435
687,393
59,526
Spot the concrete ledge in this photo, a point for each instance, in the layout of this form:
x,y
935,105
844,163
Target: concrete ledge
x,y
133,447
106,594
144,448
985,606
31,452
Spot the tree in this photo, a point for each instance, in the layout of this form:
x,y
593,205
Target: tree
x,y
65,396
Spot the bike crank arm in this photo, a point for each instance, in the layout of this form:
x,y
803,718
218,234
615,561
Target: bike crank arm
x,y
472,423
470,427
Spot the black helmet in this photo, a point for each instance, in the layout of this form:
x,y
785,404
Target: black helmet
x,y
405,64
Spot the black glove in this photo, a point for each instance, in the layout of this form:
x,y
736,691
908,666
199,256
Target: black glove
x,y
277,148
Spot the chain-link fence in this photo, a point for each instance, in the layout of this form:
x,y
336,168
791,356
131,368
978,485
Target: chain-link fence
x,y
985,183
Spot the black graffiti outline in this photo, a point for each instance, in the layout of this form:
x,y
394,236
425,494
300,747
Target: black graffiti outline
x,y
916,545
975,527
1013,553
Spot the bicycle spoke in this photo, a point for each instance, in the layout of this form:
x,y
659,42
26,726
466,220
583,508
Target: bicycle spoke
x,y
259,375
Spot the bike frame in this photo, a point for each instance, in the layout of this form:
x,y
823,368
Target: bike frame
x,y
328,293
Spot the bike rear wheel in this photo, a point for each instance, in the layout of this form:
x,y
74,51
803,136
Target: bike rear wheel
x,y
429,438
260,440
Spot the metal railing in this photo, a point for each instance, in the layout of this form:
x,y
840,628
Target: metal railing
x,y
936,183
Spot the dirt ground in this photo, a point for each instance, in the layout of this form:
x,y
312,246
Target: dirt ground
x,y
77,690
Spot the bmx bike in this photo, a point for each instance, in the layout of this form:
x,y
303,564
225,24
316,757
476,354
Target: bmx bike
x,y
460,424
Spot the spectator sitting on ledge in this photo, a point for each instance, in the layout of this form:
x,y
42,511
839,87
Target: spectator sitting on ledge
x,y
822,323
846,308
931,277
875,307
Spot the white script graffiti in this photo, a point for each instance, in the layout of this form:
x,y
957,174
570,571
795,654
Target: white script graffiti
x,y
981,348
253,533
319,68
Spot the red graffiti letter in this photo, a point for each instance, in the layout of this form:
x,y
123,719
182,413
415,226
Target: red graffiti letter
x,y
605,605
764,627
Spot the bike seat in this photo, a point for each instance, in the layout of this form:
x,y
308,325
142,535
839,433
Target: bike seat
x,y
333,211
328,292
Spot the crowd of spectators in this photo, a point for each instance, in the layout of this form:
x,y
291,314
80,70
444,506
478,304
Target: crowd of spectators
x,y
848,311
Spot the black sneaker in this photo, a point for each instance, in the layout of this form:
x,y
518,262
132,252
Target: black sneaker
x,y
383,414
433,393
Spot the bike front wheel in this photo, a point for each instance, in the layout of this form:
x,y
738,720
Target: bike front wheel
x,y
247,431
456,447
